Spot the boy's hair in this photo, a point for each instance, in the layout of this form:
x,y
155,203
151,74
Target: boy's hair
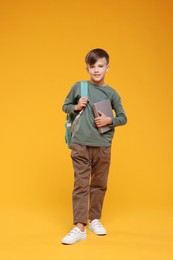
x,y
95,54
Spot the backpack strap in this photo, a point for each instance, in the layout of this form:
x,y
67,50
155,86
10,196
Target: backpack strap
x,y
84,88
84,93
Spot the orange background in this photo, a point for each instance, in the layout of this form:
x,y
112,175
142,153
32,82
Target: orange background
x,y
42,49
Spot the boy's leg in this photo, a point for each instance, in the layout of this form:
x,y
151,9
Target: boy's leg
x,y
82,171
99,176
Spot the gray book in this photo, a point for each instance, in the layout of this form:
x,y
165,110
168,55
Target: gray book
x,y
105,107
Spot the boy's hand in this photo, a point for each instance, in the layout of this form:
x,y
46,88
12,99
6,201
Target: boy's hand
x,y
81,103
102,120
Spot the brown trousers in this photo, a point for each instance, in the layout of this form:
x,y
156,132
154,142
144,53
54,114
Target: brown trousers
x,y
91,168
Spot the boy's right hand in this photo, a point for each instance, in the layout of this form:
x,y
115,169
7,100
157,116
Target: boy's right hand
x,y
81,103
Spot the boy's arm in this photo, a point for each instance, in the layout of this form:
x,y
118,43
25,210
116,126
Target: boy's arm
x,y
120,118
71,108
71,101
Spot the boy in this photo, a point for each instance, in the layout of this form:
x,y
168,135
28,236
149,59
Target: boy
x,y
90,150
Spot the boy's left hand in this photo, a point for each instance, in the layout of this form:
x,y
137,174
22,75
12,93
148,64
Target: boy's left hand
x,y
102,120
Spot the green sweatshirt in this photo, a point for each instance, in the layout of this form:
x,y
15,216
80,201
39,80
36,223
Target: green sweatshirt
x,y
86,131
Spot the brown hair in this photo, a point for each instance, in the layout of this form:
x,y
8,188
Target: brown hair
x,y
95,54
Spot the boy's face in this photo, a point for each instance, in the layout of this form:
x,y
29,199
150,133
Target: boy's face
x,y
97,71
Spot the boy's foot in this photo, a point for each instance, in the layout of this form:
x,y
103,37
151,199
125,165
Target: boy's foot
x,y
97,227
74,236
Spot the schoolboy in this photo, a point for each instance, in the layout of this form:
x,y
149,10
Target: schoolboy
x,y
90,150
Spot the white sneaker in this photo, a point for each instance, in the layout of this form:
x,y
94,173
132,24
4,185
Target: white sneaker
x,y
74,236
97,227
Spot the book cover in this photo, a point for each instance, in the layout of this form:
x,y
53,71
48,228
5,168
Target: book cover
x,y
105,107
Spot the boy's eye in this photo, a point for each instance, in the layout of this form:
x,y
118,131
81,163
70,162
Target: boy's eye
x,y
92,66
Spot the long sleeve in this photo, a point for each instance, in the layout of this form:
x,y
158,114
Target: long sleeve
x,y
71,100
120,118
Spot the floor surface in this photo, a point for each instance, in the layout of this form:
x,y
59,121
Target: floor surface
x,y
36,234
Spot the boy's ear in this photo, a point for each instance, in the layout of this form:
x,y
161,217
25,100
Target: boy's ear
x,y
107,68
87,69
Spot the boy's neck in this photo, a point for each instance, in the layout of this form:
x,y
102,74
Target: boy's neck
x,y
100,84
